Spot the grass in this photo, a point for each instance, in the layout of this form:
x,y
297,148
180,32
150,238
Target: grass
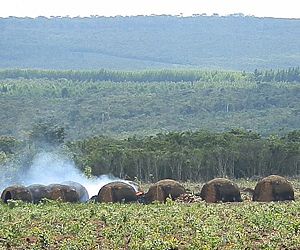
x,y
245,225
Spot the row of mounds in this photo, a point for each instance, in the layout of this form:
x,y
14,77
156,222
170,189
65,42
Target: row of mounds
x,y
271,188
123,192
67,192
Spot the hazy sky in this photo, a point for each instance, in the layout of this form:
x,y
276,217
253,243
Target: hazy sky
x,y
261,8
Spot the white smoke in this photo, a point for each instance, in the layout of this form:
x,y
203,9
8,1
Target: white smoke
x,y
50,168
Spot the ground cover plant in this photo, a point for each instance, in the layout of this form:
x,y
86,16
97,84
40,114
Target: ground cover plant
x,y
174,225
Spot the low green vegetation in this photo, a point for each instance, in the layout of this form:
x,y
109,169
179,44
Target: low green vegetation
x,y
246,225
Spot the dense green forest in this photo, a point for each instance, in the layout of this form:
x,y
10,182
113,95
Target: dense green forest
x,y
185,156
194,156
140,42
121,104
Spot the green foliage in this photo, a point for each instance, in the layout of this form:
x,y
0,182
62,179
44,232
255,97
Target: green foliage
x,y
283,75
158,226
124,76
194,156
9,144
47,133
138,104
10,150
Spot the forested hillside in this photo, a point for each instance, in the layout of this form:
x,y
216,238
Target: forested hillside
x,y
210,42
121,104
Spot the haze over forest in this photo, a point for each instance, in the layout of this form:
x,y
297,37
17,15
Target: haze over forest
x,y
146,42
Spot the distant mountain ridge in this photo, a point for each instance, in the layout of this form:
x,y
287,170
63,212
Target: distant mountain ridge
x,y
144,42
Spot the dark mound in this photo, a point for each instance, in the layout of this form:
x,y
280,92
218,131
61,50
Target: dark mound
x,y
38,192
220,189
80,189
117,192
163,189
63,192
273,188
16,193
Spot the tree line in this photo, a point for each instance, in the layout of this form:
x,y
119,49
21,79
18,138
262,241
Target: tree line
x,y
194,156
186,156
291,74
280,75
163,75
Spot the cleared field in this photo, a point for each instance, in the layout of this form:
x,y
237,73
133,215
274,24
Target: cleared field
x,y
174,225
159,226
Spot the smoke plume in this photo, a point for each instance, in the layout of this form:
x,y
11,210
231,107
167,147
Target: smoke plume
x,y
49,168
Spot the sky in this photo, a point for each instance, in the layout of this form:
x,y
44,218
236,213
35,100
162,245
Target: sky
x,y
260,8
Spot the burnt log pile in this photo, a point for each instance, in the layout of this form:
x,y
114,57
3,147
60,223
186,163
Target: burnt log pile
x,y
188,198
